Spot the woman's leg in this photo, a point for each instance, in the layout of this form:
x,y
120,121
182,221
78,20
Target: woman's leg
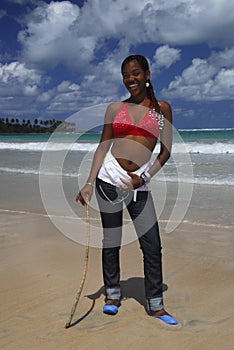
x,y
144,218
111,216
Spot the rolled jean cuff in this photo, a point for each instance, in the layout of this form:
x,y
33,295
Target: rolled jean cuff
x,y
155,304
113,293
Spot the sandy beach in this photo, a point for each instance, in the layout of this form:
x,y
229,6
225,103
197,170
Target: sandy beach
x,y
41,270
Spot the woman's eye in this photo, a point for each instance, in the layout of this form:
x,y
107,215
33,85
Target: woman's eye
x,y
127,76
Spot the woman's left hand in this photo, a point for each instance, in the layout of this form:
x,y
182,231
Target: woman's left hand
x,y
134,183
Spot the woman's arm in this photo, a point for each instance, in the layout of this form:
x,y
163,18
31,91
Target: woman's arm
x,y
86,192
165,140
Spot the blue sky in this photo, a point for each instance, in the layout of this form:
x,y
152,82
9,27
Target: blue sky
x,y
57,57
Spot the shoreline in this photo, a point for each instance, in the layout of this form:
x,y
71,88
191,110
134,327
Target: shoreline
x,y
163,221
210,205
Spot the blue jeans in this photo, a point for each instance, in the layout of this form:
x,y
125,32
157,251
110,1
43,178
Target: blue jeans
x,y
142,212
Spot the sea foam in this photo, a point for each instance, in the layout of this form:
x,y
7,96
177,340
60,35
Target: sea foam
x,y
178,147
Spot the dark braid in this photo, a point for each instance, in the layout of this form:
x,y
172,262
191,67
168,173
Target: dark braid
x,y
145,66
152,97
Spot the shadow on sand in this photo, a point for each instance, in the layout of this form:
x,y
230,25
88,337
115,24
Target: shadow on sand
x,y
132,288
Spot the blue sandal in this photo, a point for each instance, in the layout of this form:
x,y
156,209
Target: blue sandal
x,y
167,319
111,307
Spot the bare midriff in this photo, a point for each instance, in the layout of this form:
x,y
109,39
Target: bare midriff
x,y
133,151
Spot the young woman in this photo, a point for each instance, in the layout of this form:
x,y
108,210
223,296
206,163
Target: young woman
x,y
121,171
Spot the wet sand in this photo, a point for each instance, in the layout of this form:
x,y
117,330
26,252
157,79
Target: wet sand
x,y
41,271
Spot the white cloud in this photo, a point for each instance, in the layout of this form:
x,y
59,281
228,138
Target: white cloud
x,y
30,90
164,57
17,72
110,18
222,58
61,99
62,33
18,87
66,86
185,23
50,38
22,89
205,80
44,97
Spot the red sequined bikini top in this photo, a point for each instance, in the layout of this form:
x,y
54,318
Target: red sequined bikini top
x,y
148,126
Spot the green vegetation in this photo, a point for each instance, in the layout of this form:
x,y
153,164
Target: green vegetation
x,y
14,125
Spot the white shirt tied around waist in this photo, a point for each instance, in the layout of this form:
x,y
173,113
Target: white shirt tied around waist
x,y
112,173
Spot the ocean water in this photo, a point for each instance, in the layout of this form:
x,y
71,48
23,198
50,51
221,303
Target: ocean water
x,y
198,156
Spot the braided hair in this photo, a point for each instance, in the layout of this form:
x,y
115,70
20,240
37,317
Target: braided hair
x,y
145,66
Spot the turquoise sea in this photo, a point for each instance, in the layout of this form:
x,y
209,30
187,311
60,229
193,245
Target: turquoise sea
x,y
198,156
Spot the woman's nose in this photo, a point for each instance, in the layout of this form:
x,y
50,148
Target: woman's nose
x,y
131,79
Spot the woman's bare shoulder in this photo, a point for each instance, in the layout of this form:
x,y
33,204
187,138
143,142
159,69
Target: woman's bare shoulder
x,y
166,109
112,110
165,105
114,106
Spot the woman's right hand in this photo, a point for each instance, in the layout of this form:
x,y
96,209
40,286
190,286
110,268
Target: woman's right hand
x,y
85,194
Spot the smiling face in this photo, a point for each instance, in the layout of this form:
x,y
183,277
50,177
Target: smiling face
x,y
134,78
